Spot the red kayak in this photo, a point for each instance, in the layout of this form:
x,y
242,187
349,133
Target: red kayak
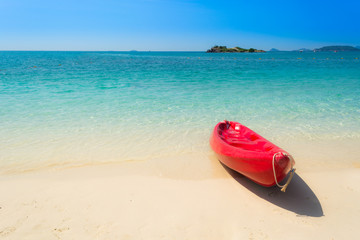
x,y
248,153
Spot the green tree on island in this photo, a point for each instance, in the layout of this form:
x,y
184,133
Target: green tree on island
x,y
219,49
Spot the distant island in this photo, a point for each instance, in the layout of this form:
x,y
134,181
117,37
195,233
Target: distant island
x,y
222,49
303,50
336,49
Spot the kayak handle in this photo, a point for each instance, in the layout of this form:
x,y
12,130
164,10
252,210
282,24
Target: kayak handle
x,y
292,171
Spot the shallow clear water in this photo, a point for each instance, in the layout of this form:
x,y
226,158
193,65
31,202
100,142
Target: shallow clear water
x,y
76,108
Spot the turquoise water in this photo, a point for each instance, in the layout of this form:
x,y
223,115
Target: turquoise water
x,y
78,108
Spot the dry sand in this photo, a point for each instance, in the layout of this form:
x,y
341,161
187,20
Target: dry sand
x,y
125,201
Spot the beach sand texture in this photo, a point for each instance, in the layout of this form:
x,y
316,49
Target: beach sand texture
x,y
113,202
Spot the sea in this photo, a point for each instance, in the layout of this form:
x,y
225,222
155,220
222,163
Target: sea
x,y
69,109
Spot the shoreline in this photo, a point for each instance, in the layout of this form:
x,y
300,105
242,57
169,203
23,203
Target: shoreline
x,y
191,164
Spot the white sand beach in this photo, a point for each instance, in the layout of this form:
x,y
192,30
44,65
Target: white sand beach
x,y
127,201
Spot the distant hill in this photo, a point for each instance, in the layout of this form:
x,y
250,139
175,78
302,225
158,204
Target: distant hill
x,y
358,47
337,49
303,50
274,50
219,49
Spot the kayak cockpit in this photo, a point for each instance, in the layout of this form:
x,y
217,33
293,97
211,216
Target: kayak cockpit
x,y
242,137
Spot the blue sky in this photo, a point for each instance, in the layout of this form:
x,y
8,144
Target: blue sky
x,y
177,25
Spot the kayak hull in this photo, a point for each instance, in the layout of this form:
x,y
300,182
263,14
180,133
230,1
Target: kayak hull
x,y
248,153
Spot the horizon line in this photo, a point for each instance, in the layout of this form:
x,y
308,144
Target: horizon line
x,y
133,50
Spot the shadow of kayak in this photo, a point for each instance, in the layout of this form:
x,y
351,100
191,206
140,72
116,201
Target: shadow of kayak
x,y
298,198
